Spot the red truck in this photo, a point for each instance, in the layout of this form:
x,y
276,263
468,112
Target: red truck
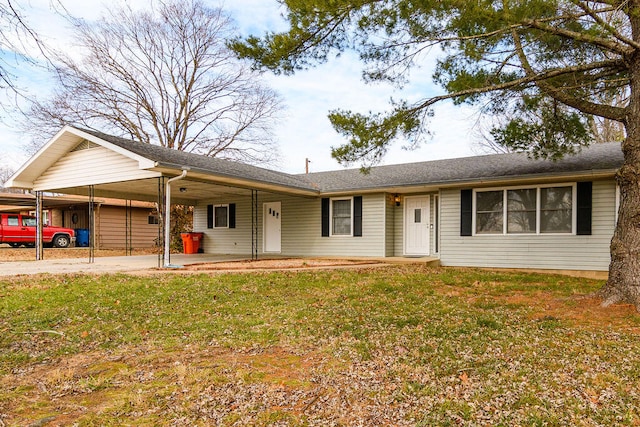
x,y
16,230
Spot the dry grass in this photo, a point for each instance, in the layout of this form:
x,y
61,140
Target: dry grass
x,y
402,346
8,253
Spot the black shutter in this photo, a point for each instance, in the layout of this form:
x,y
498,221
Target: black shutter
x,y
232,215
466,212
325,217
584,202
357,216
209,216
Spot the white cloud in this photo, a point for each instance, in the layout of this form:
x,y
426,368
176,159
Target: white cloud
x,y
305,131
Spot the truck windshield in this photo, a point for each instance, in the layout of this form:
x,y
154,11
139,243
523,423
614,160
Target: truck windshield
x,y
29,221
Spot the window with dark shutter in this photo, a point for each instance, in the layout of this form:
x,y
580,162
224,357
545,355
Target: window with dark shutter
x,y
357,216
209,216
325,217
466,212
584,202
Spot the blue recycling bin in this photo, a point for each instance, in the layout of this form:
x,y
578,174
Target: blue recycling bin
x,y
82,237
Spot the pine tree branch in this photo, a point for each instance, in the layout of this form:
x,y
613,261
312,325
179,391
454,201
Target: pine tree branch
x,y
560,94
613,113
581,37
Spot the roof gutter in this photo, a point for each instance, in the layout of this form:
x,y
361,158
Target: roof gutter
x,y
167,219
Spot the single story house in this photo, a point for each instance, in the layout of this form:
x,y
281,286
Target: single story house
x,y
502,210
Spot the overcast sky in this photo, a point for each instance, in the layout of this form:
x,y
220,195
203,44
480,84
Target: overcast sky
x,y
304,131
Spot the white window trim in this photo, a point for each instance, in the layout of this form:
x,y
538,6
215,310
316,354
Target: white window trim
x,y
331,200
539,187
214,215
45,216
436,221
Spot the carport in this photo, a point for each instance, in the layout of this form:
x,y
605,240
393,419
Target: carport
x,y
89,163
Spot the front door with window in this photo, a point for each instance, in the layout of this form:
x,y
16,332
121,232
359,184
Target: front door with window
x,y
416,225
272,227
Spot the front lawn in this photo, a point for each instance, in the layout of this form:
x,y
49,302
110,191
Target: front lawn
x,y
403,346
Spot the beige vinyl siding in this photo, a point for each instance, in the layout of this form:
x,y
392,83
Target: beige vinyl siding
x,y
111,228
301,228
567,252
91,166
225,240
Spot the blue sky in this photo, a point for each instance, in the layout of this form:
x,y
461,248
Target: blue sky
x,y
304,130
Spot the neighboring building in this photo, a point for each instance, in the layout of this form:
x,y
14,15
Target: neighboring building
x,y
504,210
119,224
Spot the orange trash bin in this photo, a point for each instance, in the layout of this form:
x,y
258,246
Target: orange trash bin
x,y
191,242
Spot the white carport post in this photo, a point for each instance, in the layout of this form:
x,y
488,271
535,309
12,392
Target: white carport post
x,y
39,225
167,219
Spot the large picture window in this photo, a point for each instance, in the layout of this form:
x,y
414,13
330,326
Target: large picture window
x,y
532,210
341,217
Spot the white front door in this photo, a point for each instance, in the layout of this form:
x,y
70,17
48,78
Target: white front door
x,y
416,225
272,230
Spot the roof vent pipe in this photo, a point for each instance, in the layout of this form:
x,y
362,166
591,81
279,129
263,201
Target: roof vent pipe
x,y
167,220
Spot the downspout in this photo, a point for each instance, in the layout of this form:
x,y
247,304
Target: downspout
x,y
167,220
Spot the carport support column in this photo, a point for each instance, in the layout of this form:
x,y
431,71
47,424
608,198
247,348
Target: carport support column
x,y
167,218
39,226
92,225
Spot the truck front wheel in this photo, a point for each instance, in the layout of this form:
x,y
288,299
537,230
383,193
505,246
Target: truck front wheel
x,y
61,241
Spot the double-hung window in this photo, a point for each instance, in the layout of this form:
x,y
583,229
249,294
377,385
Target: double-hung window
x,y
529,210
221,216
341,217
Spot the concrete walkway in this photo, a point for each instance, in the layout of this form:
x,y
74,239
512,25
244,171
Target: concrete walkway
x,y
106,264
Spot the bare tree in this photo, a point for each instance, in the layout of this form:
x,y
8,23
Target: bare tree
x,y
17,38
5,174
163,76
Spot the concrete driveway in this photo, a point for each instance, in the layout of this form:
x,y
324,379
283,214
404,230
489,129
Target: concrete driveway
x,y
106,264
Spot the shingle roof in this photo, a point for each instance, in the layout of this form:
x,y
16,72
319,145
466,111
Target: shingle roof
x,y
597,157
228,168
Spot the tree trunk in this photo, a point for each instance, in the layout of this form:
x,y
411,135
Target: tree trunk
x,y
624,271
